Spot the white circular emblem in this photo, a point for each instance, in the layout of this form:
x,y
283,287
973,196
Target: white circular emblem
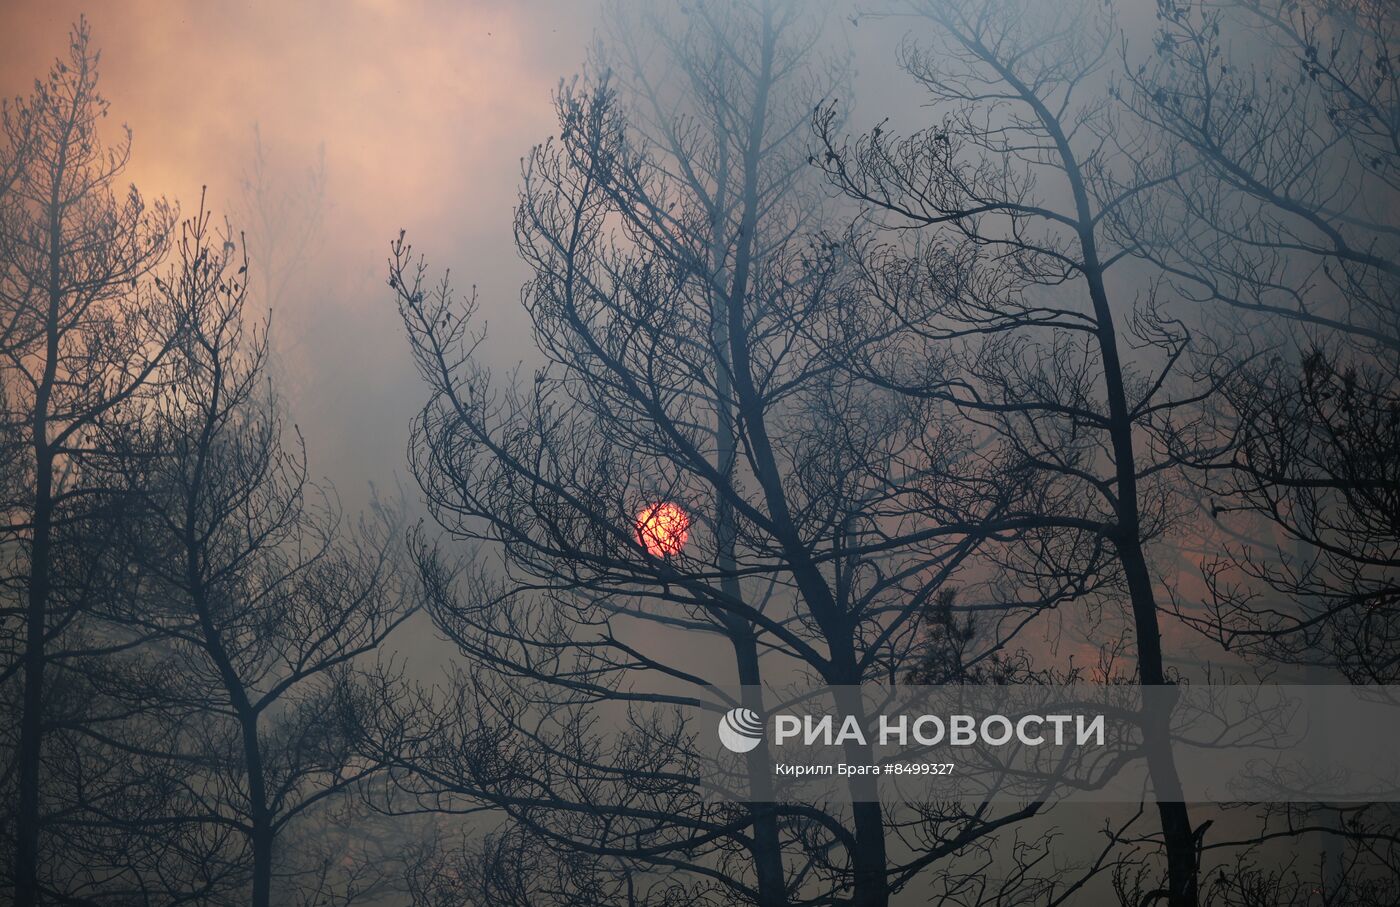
x,y
740,730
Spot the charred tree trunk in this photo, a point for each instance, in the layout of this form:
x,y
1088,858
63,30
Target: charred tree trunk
x,y
870,886
1177,834
40,565
260,830
31,720
1178,838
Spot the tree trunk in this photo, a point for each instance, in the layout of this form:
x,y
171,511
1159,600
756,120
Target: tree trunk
x,y
31,721
868,859
40,567
870,885
261,831
1177,835
767,851
261,836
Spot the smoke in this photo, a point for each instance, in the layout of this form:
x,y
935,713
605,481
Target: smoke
x,y
424,110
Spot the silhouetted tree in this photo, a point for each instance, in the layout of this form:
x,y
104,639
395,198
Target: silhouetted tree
x,y
85,334
684,305
1015,193
257,605
283,213
1284,215
1281,125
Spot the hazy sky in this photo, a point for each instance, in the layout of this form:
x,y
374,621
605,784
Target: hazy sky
x,y
424,108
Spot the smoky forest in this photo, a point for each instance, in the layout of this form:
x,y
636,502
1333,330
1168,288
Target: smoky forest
x,y
414,415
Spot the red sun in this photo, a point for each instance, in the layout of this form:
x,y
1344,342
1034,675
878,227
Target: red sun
x,y
663,529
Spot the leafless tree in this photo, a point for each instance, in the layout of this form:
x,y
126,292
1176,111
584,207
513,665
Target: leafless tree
x,y
84,335
1285,216
1281,123
256,605
284,214
1014,196
683,303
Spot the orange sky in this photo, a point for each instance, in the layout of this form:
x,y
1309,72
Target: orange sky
x,y
424,107
413,99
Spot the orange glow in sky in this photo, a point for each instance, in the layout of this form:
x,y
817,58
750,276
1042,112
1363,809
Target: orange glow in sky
x,y
663,529
423,109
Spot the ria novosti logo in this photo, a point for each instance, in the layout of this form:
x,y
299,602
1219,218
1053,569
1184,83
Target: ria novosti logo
x,y
740,730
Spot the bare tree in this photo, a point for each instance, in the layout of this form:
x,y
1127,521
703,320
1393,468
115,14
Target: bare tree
x,y
1285,217
684,302
284,214
85,334
258,607
1015,195
1280,123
